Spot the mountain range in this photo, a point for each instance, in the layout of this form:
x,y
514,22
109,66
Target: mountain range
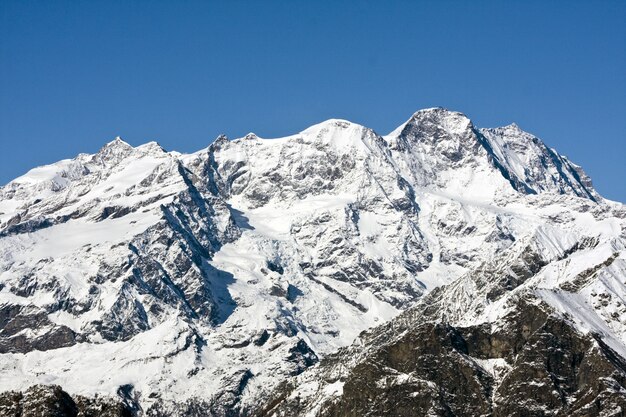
x,y
440,270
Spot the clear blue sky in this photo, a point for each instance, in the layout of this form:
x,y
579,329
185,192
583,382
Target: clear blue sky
x,y
74,74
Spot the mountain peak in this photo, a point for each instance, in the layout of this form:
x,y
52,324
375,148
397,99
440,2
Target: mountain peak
x,y
533,166
510,129
221,139
437,113
449,120
151,147
340,133
114,151
251,136
118,142
331,124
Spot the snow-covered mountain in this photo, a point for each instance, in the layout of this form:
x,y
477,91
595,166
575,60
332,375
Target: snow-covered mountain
x,y
160,283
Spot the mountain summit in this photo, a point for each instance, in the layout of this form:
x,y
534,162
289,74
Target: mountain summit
x,y
442,269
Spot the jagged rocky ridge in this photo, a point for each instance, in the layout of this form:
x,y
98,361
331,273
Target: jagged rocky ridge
x,y
204,284
529,357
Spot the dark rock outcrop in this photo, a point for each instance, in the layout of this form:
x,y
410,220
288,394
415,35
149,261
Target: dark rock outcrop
x,y
52,401
529,363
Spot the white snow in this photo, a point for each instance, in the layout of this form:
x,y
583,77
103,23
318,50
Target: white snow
x,y
329,205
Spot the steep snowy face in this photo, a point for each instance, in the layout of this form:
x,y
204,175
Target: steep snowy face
x,y
441,150
534,166
73,188
335,195
104,254
201,281
330,158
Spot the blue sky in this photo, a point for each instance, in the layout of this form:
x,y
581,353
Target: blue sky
x,y
74,74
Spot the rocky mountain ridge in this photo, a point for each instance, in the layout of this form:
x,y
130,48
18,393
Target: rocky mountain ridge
x,y
195,284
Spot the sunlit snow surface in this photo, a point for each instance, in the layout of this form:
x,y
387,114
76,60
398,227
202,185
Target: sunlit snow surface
x,y
361,226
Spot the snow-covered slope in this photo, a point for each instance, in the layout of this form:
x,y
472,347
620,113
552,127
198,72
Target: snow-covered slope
x,y
196,283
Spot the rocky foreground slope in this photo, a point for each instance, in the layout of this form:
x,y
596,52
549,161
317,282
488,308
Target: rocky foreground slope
x,y
439,270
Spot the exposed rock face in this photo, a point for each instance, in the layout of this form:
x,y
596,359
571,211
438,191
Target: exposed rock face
x,y
197,284
498,341
52,401
15,318
528,363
